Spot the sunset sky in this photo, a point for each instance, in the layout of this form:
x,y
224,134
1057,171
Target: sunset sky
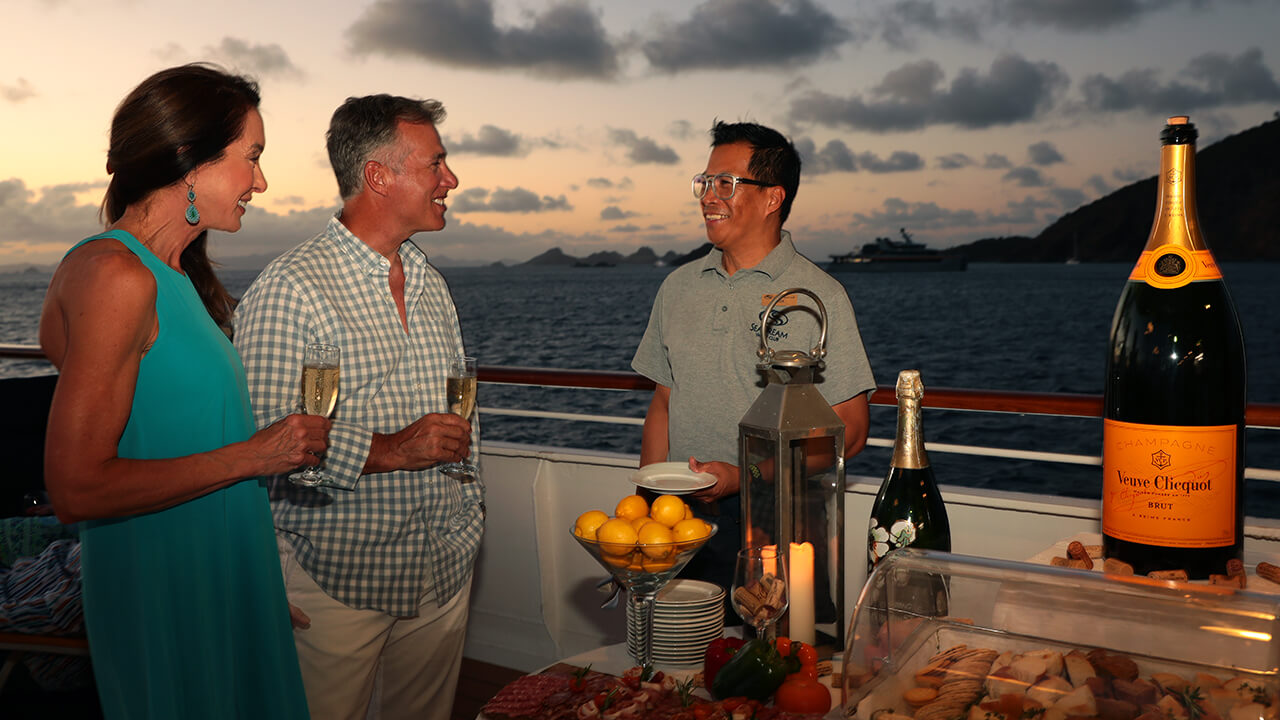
x,y
578,123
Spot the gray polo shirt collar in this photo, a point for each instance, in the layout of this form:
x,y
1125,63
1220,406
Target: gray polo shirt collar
x,y
773,264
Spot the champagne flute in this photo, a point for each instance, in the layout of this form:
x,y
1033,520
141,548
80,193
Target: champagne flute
x,y
461,397
320,364
760,587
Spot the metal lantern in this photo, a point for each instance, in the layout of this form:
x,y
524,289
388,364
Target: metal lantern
x,y
791,460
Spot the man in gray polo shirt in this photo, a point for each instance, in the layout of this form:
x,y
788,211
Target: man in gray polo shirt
x,y
704,329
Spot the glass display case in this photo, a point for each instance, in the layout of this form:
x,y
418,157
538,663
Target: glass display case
x,y
937,636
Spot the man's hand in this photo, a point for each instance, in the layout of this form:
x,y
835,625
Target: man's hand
x,y
299,619
431,439
727,482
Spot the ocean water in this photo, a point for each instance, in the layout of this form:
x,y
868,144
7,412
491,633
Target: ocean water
x,y
1041,328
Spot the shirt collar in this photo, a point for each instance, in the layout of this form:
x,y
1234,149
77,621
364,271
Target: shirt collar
x,y
773,264
369,261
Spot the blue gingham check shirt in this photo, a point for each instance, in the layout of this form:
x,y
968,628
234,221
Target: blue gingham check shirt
x,y
385,541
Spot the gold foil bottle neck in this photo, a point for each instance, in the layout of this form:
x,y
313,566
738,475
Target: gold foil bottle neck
x,y
908,446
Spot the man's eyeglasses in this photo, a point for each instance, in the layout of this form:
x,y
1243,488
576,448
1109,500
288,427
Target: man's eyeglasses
x,y
723,185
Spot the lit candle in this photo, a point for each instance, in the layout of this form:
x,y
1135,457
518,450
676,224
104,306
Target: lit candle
x,y
801,610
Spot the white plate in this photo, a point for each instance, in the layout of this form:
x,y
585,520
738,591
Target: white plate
x,y
672,478
683,591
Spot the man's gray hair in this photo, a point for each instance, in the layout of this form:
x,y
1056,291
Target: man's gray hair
x,y
362,128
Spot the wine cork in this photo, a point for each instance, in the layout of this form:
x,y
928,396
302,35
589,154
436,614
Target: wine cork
x,y
1267,571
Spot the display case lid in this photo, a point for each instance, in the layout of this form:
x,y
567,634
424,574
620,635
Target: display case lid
x,y
919,602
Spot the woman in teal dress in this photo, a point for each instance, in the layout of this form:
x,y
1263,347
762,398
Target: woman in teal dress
x,y
151,444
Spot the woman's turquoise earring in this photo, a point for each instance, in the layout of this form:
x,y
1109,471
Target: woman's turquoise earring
x,y
193,215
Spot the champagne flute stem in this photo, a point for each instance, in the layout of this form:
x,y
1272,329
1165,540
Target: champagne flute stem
x,y
642,604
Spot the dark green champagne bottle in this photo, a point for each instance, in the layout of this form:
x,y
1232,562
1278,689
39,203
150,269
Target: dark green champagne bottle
x,y
1173,423
908,510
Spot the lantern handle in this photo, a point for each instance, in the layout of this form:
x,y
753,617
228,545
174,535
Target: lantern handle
x,y
765,353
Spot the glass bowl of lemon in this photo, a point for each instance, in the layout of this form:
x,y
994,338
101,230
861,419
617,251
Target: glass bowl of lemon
x,y
643,547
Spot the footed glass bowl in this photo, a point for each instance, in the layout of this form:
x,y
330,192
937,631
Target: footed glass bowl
x,y
643,570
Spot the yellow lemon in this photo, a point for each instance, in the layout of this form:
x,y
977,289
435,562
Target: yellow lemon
x,y
688,512
616,536
588,522
656,541
650,565
631,507
667,509
641,522
689,530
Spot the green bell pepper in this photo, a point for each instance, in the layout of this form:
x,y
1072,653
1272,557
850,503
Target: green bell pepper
x,y
755,671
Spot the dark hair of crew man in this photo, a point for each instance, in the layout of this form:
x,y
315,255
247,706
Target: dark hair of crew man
x,y
773,158
364,129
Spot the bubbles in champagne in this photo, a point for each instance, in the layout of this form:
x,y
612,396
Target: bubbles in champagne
x,y
462,396
319,390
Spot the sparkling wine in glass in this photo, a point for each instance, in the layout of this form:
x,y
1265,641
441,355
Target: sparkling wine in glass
x,y
460,387
320,363
760,587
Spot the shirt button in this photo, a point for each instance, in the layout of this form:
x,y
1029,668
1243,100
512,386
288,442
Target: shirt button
x,y
724,308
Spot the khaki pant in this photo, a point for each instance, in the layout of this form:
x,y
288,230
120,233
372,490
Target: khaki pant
x,y
363,664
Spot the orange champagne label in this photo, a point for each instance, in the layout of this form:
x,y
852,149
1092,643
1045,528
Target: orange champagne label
x,y
1172,266
1169,485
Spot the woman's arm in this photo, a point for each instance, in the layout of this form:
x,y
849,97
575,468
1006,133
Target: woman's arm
x,y
101,309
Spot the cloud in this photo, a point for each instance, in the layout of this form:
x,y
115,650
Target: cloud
x,y
643,150
503,200
1131,174
49,223
1044,153
564,40
730,34
288,200
681,130
1074,16
628,228
954,161
17,92
1021,211
1210,80
896,212
835,156
1025,177
1099,185
1067,198
912,97
604,183
996,161
268,60
613,212
899,22
898,161
494,141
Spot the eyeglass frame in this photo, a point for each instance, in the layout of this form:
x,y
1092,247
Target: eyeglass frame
x,y
693,184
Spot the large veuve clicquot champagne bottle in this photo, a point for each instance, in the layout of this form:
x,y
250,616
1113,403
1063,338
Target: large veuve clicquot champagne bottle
x,y
1173,425
908,510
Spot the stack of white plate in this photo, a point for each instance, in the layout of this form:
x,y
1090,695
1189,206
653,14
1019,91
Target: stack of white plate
x,y
687,616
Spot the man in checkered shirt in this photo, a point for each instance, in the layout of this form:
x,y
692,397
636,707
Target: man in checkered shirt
x,y
377,559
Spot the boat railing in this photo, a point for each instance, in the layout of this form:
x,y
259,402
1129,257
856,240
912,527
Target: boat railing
x,y
1258,416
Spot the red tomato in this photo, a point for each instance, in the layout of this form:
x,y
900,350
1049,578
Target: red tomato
x,y
807,655
800,694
